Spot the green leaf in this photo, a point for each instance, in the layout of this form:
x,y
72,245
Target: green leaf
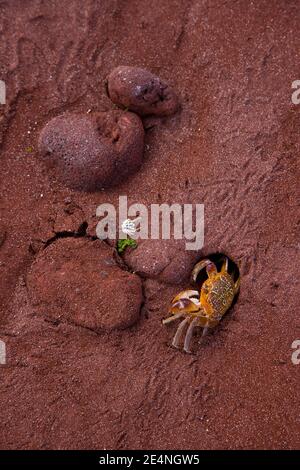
x,y
123,244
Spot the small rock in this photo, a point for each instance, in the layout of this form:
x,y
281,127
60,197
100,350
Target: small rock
x,y
140,91
165,260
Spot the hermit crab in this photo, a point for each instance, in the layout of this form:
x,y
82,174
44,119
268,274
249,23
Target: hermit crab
x,y
206,306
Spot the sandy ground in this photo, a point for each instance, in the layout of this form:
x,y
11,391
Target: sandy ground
x,y
233,146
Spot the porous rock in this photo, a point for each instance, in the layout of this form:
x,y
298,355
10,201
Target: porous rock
x,y
78,281
141,91
93,151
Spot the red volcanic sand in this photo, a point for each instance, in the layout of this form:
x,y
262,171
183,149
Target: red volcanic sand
x,y
234,146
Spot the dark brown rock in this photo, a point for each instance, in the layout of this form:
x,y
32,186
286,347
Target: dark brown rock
x,y
78,281
93,151
141,91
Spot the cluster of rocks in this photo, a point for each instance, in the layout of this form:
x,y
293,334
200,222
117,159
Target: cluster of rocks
x,y
93,151
76,280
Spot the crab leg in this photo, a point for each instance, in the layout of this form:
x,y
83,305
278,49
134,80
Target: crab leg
x,y
179,332
172,318
204,333
189,335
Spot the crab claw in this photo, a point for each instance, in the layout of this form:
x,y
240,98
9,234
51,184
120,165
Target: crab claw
x,y
205,263
187,301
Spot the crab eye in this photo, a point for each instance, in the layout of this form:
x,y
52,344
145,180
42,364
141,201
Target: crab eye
x,y
210,267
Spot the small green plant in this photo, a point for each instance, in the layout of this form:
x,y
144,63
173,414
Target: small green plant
x,y
124,243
